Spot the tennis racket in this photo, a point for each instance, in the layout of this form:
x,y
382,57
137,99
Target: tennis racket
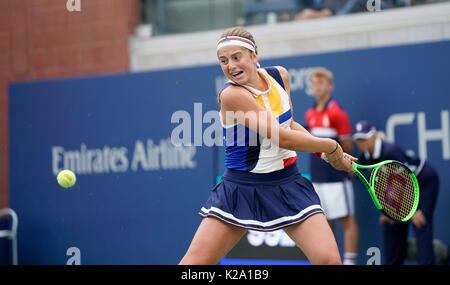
x,y
393,188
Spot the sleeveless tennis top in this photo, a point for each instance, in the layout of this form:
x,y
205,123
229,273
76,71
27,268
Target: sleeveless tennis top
x,y
245,149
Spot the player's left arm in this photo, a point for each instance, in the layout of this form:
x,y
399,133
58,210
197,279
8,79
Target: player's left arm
x,y
287,86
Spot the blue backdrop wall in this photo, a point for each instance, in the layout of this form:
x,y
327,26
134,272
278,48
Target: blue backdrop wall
x,y
137,195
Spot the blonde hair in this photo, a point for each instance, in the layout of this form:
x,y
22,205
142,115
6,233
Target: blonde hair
x,y
381,135
322,72
240,32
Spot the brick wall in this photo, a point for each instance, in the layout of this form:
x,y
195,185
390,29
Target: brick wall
x,y
41,39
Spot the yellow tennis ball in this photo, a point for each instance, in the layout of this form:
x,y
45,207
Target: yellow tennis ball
x,y
66,178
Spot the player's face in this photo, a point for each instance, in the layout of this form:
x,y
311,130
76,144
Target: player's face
x,y
321,87
238,63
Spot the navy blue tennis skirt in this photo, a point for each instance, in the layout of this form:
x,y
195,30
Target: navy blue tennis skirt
x,y
262,201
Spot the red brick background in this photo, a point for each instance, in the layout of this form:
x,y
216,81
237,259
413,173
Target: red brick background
x,y
40,39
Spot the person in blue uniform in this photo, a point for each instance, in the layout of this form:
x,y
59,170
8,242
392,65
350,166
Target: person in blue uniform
x,y
261,188
373,150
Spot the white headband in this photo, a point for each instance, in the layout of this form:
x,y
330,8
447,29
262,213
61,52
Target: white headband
x,y
236,41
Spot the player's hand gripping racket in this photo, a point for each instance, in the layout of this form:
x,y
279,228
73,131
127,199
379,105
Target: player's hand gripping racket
x,y
393,188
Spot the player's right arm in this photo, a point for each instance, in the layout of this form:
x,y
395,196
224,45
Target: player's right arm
x,y
238,106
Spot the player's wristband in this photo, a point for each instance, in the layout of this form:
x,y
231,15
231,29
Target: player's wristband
x,y
334,149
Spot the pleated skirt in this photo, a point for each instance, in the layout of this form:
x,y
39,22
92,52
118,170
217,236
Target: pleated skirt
x,y
262,201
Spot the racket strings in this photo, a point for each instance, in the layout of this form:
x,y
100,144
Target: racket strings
x,y
395,191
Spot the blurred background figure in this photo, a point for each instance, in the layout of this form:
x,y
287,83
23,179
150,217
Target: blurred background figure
x,y
325,8
327,119
373,150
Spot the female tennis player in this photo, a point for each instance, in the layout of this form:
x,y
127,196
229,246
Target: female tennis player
x,y
261,188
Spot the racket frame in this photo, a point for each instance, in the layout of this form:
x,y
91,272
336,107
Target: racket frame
x,y
370,184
